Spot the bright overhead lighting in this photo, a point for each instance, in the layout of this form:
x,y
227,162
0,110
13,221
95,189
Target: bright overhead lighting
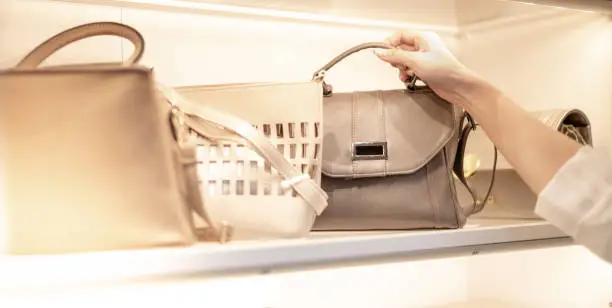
x,y
566,5
193,6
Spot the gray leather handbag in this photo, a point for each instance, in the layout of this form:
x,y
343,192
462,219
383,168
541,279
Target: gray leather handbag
x,y
389,158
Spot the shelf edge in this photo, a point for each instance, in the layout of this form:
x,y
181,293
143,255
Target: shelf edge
x,y
206,260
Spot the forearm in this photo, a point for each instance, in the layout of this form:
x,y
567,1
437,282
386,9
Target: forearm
x,y
573,186
535,150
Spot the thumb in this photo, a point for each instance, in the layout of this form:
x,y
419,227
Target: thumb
x,y
397,56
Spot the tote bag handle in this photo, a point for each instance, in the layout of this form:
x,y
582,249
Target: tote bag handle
x,y
43,51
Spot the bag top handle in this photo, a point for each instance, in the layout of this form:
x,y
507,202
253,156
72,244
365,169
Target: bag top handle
x,y
319,75
33,59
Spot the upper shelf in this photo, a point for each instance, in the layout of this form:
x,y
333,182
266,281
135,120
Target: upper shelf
x,y
590,5
447,16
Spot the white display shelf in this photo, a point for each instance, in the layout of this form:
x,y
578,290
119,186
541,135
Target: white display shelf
x,y
211,259
510,221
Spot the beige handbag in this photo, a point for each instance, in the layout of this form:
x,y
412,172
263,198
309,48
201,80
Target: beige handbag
x,y
389,156
89,159
261,174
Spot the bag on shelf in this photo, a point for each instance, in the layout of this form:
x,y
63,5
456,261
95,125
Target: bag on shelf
x,y
90,161
571,122
389,158
259,171
512,197
100,161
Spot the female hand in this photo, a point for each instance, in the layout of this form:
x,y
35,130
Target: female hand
x,y
570,180
425,55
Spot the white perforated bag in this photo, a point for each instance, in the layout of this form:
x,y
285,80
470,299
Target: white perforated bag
x,y
259,155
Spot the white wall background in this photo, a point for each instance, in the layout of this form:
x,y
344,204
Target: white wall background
x,y
560,60
543,60
196,49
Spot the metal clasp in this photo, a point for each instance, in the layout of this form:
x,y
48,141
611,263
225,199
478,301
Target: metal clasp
x,y
178,128
473,123
412,87
369,151
319,76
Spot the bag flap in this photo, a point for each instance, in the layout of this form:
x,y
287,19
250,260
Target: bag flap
x,y
379,133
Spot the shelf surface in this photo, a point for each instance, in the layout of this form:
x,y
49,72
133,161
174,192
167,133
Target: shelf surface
x,y
208,259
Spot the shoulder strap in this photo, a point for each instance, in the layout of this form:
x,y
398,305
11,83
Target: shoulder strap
x,y
466,129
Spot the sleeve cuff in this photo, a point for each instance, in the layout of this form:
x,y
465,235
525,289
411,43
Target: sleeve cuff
x,y
574,190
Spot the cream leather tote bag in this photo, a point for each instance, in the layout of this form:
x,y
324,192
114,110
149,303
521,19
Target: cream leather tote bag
x,y
88,158
259,155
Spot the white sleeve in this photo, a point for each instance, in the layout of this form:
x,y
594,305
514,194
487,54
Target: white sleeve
x,y
578,200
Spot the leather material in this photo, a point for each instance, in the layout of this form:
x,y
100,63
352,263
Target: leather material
x,y
477,205
55,43
91,163
422,200
426,126
413,188
84,174
403,178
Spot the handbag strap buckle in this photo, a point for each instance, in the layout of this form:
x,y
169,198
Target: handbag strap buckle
x,y
413,87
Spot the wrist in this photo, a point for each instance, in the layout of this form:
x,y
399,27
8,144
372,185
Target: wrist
x,y
473,91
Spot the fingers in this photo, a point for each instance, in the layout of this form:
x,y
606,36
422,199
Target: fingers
x,y
402,37
403,75
396,57
410,40
409,73
403,60
407,47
